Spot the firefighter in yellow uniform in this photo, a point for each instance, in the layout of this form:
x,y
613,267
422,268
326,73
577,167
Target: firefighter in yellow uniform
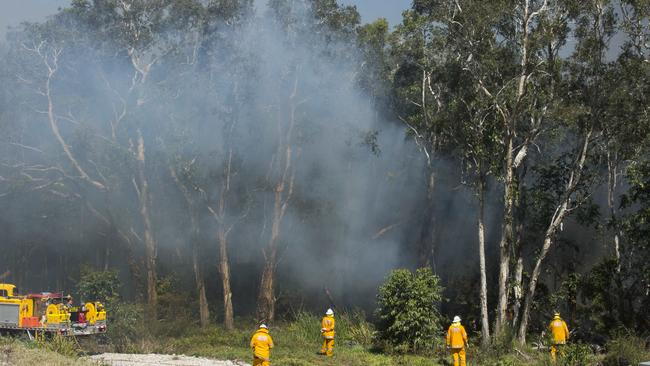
x,y
560,334
457,341
327,329
261,343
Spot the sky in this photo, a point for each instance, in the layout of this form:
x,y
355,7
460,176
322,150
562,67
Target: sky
x,y
12,12
373,9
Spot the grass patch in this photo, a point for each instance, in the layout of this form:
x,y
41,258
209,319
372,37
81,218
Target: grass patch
x,y
626,349
17,353
296,343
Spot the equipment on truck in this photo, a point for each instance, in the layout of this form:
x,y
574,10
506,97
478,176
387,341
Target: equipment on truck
x,y
48,312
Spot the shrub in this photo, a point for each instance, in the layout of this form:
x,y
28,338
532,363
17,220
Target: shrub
x,y
408,313
352,328
577,354
305,328
356,330
125,326
98,285
626,349
65,346
177,308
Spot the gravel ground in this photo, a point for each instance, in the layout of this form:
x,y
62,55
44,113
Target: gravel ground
x,y
123,359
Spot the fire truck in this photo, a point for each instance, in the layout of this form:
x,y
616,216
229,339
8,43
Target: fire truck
x,y
48,313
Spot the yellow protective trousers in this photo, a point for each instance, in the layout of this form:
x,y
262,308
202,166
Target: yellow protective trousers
x,y
260,362
555,349
459,356
328,347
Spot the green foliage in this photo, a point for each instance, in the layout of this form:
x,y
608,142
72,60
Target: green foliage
x,y
125,326
66,346
356,329
304,327
565,298
611,288
296,343
17,353
174,314
408,313
351,328
577,354
626,349
98,285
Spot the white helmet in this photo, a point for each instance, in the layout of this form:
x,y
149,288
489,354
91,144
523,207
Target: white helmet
x,y
456,319
263,326
329,312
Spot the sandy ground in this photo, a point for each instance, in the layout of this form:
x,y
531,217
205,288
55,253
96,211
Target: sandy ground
x,y
122,359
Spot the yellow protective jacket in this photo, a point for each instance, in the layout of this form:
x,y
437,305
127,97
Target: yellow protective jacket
x,y
559,330
327,327
261,343
456,336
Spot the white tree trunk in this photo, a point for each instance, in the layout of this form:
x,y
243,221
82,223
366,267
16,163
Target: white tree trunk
x,y
485,324
556,220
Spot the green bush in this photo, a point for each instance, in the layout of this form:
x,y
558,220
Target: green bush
x,y
177,309
66,346
125,326
408,314
576,354
626,349
356,330
305,328
98,285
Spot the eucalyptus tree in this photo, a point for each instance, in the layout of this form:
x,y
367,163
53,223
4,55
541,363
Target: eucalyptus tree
x,y
625,126
316,34
212,93
504,48
583,114
475,133
99,65
417,59
608,287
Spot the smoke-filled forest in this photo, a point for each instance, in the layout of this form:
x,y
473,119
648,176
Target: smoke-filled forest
x,y
224,162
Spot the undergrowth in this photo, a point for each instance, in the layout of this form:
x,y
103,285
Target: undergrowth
x,y
297,342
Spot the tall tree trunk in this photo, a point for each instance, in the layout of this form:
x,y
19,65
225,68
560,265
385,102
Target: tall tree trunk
x,y
518,277
283,191
222,241
266,298
506,238
224,263
485,323
142,187
204,311
517,289
556,220
612,183
224,271
426,249
512,162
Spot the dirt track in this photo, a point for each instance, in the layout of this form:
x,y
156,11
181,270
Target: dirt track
x,y
123,359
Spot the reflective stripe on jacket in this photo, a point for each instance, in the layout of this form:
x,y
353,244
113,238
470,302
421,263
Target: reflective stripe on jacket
x,y
327,327
261,343
456,336
559,330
